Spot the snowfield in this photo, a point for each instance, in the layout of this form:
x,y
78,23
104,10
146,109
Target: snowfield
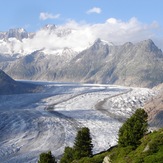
x,y
34,123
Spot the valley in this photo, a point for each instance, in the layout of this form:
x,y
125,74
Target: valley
x,y
69,65
49,120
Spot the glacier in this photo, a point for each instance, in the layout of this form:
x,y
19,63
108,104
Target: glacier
x,y
34,123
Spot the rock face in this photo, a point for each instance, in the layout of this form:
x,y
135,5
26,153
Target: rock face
x,y
18,33
106,160
154,108
10,86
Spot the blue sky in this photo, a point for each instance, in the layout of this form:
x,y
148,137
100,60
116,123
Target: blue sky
x,y
33,14
116,21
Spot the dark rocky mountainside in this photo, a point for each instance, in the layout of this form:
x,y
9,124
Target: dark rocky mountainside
x,y
10,86
139,64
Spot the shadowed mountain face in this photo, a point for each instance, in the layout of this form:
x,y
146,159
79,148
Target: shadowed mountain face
x,y
10,86
139,64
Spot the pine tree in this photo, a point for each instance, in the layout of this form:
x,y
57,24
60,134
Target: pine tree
x,y
68,155
83,144
133,129
47,158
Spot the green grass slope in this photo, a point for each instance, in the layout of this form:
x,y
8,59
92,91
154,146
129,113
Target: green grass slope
x,y
149,151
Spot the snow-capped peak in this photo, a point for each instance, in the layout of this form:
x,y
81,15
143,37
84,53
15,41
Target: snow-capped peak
x,y
53,39
18,33
108,43
49,27
103,42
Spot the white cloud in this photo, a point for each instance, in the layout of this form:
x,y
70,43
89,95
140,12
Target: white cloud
x,y
80,35
96,10
45,15
119,32
79,38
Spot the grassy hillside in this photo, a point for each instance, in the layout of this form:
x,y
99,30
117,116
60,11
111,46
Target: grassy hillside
x,y
149,151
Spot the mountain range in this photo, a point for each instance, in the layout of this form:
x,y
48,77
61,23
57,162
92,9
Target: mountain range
x,y
131,64
49,55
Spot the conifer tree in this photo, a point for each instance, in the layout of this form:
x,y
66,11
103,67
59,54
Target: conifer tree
x,y
68,156
47,158
133,129
83,144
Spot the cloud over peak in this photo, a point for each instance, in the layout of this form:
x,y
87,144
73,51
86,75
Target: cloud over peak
x,y
46,15
79,36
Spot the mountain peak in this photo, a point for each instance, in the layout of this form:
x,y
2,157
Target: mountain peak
x,y
149,45
18,33
99,43
103,42
49,27
128,44
98,40
148,42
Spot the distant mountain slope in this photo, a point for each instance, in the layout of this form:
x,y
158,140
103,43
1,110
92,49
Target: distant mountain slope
x,y
139,64
10,86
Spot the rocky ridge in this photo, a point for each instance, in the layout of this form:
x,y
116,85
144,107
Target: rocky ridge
x,y
139,64
9,86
